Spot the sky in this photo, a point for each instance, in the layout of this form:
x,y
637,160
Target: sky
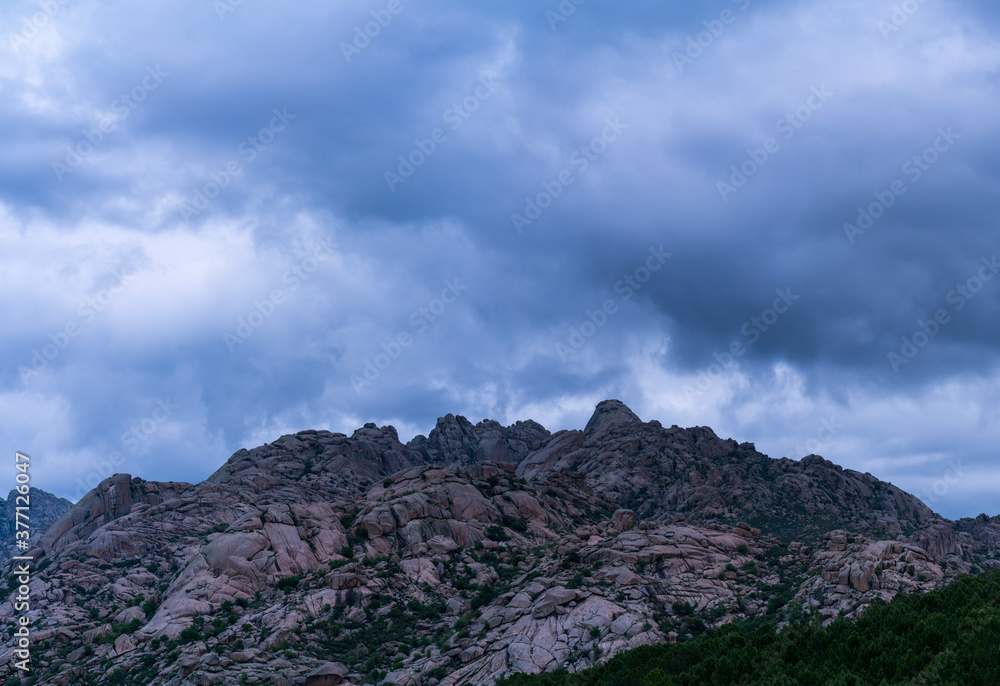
x,y
223,221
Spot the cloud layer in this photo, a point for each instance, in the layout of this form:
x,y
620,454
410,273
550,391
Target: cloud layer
x,y
221,222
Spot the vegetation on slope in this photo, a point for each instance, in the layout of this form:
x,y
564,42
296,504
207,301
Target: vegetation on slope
x,y
949,636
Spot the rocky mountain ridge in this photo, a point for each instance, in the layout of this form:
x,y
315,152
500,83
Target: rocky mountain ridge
x,y
324,559
45,509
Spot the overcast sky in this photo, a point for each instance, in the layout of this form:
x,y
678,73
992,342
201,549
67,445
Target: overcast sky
x,y
225,221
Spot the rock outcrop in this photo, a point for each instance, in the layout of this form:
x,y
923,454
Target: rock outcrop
x,y
454,440
476,552
665,472
45,509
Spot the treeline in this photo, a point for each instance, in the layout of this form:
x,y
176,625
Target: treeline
x,y
943,638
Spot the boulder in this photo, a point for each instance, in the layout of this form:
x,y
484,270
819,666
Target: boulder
x,y
129,614
124,644
344,580
558,595
623,520
442,545
543,609
470,654
330,674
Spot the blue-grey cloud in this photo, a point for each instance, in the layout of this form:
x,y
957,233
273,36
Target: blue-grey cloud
x,y
326,215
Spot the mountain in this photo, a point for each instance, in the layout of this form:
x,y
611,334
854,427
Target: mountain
x,y
946,637
45,509
455,439
475,552
666,473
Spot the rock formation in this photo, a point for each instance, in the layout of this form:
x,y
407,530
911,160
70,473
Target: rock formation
x,y
45,509
474,552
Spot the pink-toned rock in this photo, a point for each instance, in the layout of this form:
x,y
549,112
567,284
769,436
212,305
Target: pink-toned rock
x,y
378,522
330,674
421,570
623,520
344,580
123,645
130,614
559,595
231,553
468,503
442,544
527,505
293,555
92,634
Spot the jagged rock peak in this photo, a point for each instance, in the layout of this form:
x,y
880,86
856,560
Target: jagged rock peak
x,y
371,429
45,509
455,440
609,412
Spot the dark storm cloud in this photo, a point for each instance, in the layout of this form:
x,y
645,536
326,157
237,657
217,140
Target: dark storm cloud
x,y
739,136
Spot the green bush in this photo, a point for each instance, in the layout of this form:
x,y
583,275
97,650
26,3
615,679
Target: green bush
x,y
495,532
946,638
288,583
190,634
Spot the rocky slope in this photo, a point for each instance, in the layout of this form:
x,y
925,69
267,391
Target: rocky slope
x,y
474,552
663,472
45,510
456,440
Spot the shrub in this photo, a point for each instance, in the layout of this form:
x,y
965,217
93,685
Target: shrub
x,y
288,583
189,635
495,532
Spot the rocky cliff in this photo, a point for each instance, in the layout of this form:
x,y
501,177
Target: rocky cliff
x,y
664,473
474,552
45,509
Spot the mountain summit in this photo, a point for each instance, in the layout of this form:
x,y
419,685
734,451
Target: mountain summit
x,y
610,413
476,551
